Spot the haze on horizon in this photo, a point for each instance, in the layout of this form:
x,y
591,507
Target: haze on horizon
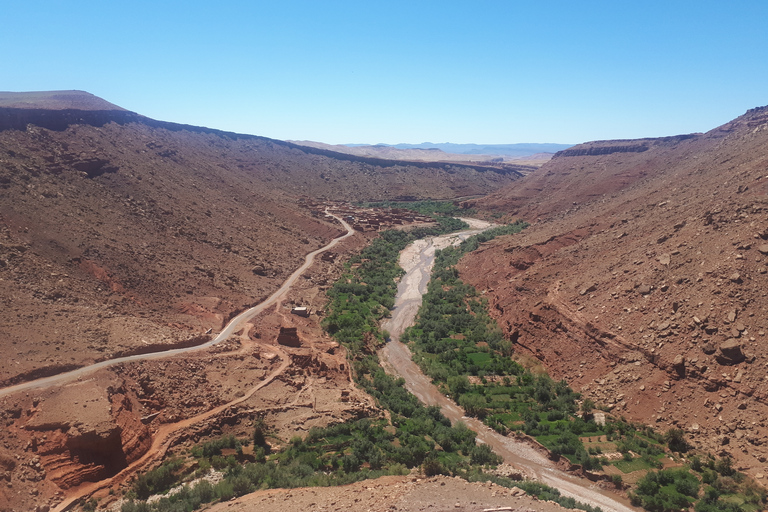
x,y
492,72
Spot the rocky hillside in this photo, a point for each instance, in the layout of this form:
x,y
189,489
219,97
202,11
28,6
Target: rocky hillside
x,y
642,280
119,233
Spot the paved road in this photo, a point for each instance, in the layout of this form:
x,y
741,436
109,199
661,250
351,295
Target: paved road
x,y
233,325
417,260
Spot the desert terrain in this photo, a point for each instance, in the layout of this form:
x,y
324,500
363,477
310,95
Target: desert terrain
x,y
523,164
123,235
642,280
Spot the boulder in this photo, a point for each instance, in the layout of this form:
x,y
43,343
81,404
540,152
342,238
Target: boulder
x,y
644,289
678,365
730,352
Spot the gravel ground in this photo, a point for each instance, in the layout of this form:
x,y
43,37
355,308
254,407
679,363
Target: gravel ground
x,y
401,493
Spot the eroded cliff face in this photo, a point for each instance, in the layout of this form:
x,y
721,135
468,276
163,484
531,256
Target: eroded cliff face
x,y
85,431
59,438
652,299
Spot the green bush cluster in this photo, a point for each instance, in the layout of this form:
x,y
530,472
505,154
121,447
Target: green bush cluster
x,y
455,337
366,291
474,242
428,208
157,480
347,452
666,491
214,447
187,498
542,491
725,489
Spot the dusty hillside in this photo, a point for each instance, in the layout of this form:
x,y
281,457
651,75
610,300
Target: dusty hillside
x,y
406,494
643,279
119,232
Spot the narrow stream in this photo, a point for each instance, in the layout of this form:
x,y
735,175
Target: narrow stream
x,y
417,260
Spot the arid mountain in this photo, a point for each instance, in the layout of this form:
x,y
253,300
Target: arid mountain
x,y
113,223
521,163
120,234
56,100
642,279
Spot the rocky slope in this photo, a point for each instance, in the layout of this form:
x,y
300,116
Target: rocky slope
x,y
642,280
406,494
119,232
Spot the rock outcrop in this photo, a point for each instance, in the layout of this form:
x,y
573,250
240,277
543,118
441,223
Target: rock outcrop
x,y
85,432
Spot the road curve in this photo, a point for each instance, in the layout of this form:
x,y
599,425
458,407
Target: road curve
x,y
417,260
231,327
161,442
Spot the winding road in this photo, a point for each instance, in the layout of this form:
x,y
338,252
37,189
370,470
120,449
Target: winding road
x,y
417,260
231,327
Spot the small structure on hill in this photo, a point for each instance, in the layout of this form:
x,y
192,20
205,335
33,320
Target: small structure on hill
x,y
289,337
300,311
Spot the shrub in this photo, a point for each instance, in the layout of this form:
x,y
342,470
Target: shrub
x,y
724,466
432,467
675,439
241,485
204,490
482,454
224,490
473,404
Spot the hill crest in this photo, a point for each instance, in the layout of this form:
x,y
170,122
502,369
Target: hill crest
x,y
55,100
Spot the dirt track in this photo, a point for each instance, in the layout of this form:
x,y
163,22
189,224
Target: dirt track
x,y
235,324
164,436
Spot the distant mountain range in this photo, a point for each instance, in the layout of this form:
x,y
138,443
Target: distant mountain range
x,y
515,150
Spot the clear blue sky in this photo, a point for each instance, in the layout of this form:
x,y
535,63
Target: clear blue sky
x,y
402,71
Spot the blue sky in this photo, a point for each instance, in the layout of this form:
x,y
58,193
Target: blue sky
x,y
402,71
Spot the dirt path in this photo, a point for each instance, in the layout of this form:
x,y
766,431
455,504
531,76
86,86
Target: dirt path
x,y
233,326
163,438
165,435
417,260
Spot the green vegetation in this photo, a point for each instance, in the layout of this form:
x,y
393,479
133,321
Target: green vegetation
x,y
418,428
667,491
158,480
336,455
472,243
415,436
724,489
365,293
428,208
442,212
454,338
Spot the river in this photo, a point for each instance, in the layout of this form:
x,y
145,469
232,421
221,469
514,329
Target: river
x,y
417,260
